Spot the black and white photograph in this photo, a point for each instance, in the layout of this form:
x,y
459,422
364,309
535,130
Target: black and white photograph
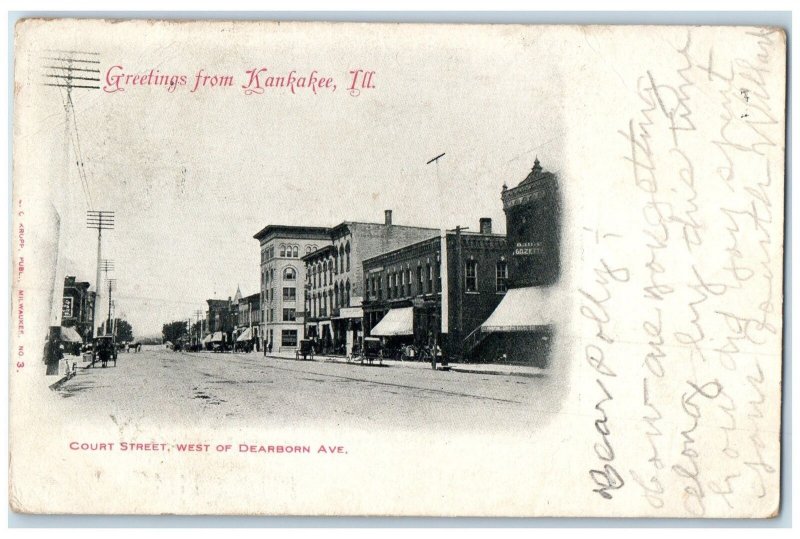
x,y
396,269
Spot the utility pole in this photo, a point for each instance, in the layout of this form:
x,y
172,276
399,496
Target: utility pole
x,y
200,335
59,70
111,285
444,300
99,220
114,319
460,289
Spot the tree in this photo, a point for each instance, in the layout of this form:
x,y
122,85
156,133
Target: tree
x,y
124,331
173,331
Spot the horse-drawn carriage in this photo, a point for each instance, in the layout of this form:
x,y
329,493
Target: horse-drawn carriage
x,y
104,349
305,350
371,350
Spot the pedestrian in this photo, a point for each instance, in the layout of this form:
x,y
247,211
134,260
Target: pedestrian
x,y
270,347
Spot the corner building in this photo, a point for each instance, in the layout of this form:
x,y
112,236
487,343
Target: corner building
x,y
521,329
283,277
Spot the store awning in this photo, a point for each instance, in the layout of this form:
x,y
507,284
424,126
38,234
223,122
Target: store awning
x,y
523,309
396,322
245,336
206,339
216,337
70,335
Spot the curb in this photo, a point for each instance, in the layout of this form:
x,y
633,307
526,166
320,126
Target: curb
x,y
452,368
499,373
58,383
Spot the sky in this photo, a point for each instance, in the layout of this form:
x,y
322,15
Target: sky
x,y
193,175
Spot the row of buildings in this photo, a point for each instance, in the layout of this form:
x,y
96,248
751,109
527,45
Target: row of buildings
x,y
476,293
233,323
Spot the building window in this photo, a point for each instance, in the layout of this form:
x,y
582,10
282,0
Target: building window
x,y
289,337
347,254
420,283
471,276
380,287
347,294
289,315
502,276
408,276
289,293
290,274
283,250
430,279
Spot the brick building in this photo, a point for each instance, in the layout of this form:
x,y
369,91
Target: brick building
x,y
77,308
438,290
521,328
220,322
283,275
248,323
335,279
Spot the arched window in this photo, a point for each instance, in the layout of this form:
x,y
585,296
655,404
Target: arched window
x,y
283,250
289,274
336,295
341,258
347,254
296,251
347,294
308,249
330,270
325,273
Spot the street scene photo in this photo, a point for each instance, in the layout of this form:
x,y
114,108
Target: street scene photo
x,y
260,278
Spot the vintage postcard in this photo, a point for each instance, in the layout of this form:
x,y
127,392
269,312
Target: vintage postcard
x,y
266,268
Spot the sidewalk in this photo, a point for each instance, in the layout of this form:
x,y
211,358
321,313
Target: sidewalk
x,y
65,369
468,368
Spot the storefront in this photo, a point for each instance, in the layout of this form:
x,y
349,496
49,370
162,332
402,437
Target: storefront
x,y
349,332
520,330
396,328
71,340
246,341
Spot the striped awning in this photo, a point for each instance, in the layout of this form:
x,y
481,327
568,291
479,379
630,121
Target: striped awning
x,y
70,335
396,322
523,309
